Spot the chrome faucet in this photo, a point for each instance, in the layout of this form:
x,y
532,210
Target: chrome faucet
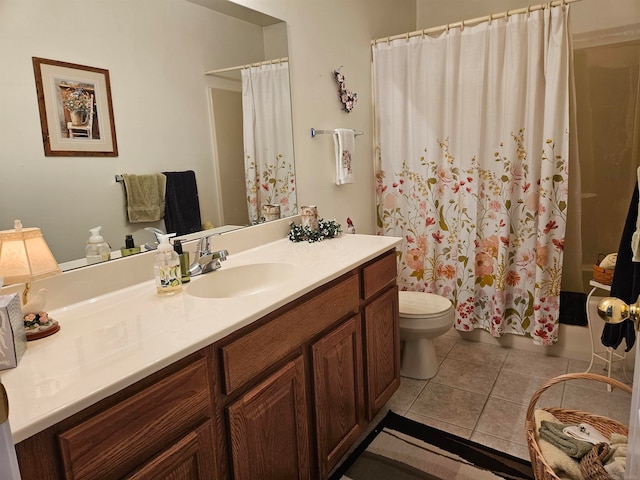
x,y
156,232
206,260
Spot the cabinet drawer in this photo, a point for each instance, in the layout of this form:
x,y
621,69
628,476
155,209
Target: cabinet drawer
x,y
379,274
257,350
116,441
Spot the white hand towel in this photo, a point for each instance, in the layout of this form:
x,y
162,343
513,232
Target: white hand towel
x,y
345,142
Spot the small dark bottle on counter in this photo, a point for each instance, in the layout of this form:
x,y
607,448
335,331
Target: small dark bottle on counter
x,y
184,261
129,248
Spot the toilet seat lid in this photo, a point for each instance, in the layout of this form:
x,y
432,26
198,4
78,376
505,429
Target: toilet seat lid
x,y
422,304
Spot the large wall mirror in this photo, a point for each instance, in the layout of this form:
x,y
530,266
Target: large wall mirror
x,y
169,114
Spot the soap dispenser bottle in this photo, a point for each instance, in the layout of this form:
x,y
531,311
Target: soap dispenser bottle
x,y
166,267
97,250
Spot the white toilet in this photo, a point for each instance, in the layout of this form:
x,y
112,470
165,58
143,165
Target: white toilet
x,y
423,317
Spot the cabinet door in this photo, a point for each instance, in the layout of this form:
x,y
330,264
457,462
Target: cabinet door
x,y
188,459
338,392
268,428
382,350
118,440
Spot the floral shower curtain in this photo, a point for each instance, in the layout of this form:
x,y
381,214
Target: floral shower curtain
x,y
472,167
268,143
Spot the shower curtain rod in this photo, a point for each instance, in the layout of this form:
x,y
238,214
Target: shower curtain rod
x,y
240,67
473,21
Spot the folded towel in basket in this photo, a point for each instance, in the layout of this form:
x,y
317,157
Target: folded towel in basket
x,y
553,433
562,464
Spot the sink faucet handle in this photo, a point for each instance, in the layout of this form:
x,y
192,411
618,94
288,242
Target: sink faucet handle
x,y
221,255
204,245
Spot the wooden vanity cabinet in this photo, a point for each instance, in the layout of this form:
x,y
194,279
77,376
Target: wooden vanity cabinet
x,y
285,397
382,340
268,428
338,392
345,337
161,427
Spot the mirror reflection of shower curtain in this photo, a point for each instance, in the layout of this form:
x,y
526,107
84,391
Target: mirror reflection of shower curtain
x,y
268,144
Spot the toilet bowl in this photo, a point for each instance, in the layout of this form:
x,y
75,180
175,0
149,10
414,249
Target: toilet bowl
x,y
423,317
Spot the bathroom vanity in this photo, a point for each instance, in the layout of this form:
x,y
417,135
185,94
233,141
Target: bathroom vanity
x,y
274,377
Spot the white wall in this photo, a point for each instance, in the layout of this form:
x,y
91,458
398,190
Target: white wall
x,y
156,52
586,15
323,36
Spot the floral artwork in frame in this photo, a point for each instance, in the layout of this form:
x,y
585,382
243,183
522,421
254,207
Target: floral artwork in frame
x,y
76,113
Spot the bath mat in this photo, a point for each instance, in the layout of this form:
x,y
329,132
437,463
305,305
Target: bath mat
x,y
402,449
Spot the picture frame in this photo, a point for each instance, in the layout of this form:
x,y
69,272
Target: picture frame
x,y
76,113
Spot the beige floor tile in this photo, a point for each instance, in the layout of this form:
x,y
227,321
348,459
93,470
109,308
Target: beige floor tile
x,y
440,425
515,449
443,346
616,372
471,376
537,364
450,405
481,353
604,403
504,420
519,387
482,391
406,394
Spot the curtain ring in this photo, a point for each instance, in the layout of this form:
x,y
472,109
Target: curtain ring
x,y
529,11
506,16
462,26
407,35
447,29
387,40
563,4
490,19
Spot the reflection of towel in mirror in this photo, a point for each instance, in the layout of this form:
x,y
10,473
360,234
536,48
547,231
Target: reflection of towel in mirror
x,y
182,213
345,143
145,196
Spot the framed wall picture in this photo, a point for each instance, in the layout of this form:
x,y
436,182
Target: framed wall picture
x,y
76,114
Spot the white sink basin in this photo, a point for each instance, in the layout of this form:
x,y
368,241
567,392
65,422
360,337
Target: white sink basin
x,y
241,281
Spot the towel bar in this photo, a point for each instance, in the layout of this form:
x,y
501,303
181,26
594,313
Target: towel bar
x,y
119,178
315,132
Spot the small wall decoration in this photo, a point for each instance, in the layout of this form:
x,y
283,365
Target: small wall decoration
x,y
76,114
347,97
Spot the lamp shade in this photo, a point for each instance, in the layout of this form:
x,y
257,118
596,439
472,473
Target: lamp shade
x,y
25,256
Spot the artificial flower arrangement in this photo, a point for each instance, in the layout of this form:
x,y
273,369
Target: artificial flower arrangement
x,y
347,97
78,101
326,229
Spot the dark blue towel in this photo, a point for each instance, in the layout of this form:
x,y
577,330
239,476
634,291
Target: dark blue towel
x,y
625,284
182,207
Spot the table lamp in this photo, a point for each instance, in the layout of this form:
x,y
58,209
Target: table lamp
x,y
25,258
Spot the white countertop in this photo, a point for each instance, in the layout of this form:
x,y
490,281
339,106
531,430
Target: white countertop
x,y
110,342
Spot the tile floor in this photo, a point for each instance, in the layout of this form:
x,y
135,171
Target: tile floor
x,y
481,392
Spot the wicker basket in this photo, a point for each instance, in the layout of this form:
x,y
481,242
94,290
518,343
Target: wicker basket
x,y
602,275
606,426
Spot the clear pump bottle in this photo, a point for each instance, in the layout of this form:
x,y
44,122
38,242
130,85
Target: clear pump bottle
x,y
97,250
166,267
